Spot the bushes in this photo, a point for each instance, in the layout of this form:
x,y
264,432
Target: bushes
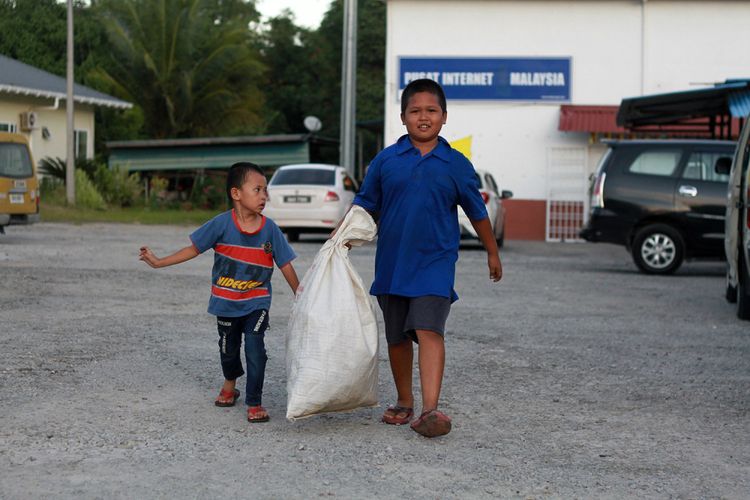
x,y
116,186
87,196
96,184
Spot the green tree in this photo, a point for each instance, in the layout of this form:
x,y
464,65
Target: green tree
x,y
323,79
292,83
34,32
190,65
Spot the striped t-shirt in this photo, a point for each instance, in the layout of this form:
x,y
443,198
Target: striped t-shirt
x,y
243,263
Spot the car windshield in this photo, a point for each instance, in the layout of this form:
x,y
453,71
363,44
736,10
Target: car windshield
x,y
315,176
15,161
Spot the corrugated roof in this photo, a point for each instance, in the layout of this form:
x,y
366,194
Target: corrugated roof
x,y
596,119
214,152
723,99
23,79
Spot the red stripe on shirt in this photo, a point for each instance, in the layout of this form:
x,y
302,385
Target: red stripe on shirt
x,y
233,295
256,256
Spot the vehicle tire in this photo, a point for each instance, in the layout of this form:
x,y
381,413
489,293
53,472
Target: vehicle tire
x,y
292,235
501,239
743,290
731,292
658,249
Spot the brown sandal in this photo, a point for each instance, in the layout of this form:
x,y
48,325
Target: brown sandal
x,y
432,423
391,415
252,414
227,398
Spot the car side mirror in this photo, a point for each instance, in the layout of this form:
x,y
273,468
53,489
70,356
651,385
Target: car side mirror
x,y
506,194
723,165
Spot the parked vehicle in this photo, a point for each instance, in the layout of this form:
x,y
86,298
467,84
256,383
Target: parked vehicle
x,y
19,187
493,200
737,224
309,198
662,199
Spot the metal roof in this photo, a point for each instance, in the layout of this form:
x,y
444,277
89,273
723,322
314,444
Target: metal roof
x,y
214,152
718,104
22,79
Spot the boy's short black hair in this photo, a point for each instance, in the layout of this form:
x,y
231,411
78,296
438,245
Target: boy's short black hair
x,y
237,174
423,85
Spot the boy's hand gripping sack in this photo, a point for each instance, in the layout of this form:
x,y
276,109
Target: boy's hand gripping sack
x,y
332,344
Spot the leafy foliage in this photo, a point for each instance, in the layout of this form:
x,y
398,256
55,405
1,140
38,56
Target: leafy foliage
x,y
202,67
87,195
187,64
116,186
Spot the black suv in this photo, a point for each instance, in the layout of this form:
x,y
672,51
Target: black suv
x,y
662,199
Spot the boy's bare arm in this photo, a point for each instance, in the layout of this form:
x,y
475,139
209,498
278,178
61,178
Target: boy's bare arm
x,y
291,276
487,237
178,257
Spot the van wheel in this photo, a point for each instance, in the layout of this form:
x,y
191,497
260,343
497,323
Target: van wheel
x,y
292,235
658,249
731,292
743,290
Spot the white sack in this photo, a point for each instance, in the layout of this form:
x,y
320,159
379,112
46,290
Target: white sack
x,y
332,344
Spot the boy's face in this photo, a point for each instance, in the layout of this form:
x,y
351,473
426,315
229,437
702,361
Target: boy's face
x,y
253,193
423,117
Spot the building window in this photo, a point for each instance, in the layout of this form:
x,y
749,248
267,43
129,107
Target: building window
x,y
8,127
81,143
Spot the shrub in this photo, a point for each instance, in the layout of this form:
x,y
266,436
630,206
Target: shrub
x,y
86,194
116,186
209,192
158,191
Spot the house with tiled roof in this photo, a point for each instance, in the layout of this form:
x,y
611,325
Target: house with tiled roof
x,y
32,102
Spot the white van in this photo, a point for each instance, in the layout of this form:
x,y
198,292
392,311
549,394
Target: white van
x,y
737,224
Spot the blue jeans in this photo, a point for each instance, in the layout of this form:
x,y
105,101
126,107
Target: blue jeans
x,y
253,326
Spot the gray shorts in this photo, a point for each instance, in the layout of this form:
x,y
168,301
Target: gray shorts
x,y
404,315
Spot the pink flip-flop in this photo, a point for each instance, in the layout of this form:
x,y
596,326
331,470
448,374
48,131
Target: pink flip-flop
x,y
391,415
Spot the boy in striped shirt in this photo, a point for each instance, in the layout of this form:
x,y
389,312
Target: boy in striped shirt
x,y
246,245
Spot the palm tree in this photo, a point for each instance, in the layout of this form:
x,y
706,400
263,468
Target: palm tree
x,y
190,65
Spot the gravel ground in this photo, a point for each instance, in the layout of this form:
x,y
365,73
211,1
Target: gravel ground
x,y
575,377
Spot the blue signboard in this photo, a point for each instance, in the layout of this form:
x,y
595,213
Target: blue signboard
x,y
479,78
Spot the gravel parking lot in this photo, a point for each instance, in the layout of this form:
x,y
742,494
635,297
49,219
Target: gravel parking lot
x,y
576,376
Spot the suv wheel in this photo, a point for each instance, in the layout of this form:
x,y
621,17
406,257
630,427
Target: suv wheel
x,y
292,235
731,292
743,290
658,249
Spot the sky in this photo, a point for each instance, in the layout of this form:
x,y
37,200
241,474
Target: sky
x,y
307,13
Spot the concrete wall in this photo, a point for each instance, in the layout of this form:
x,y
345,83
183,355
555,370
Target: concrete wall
x,y
618,49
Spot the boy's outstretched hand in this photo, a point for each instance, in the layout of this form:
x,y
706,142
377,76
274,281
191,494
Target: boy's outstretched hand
x,y
148,257
179,256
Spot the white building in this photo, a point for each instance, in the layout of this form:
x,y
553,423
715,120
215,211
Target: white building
x,y
32,102
508,67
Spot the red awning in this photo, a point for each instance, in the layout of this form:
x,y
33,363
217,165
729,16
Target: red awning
x,y
592,119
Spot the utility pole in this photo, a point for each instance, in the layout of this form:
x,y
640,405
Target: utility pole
x,y
70,178
348,86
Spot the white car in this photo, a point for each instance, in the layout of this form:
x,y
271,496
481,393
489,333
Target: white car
x,y
309,198
493,201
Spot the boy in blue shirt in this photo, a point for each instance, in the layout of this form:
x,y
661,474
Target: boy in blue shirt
x,y
246,244
415,186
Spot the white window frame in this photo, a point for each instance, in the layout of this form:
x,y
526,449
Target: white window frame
x,y
77,145
8,127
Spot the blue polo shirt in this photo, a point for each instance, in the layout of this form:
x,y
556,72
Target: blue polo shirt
x,y
418,234
243,263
